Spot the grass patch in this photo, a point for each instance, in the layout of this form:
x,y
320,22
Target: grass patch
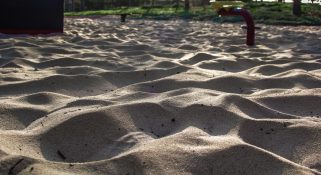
x,y
281,13
197,13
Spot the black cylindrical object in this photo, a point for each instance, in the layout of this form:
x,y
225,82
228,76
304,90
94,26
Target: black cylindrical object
x,y
31,16
123,17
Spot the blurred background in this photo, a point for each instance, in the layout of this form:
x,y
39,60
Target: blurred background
x,y
80,5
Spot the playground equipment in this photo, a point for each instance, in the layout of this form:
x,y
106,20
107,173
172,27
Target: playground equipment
x,y
234,8
47,16
31,16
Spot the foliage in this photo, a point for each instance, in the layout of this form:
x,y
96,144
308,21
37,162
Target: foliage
x,y
281,13
267,12
80,5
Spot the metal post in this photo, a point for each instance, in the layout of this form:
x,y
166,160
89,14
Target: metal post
x,y
123,17
250,38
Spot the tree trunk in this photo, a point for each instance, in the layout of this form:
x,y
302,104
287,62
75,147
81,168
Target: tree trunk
x,y
280,1
177,3
187,5
82,5
296,7
72,7
205,3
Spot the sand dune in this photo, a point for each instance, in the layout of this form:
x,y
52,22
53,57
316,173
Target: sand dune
x,y
161,97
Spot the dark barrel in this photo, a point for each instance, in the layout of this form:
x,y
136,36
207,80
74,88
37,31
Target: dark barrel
x,y
31,16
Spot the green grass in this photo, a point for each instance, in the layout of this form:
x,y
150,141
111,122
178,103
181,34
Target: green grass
x,y
197,13
267,13
281,13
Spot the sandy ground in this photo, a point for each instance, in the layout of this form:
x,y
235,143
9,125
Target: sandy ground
x,y
161,97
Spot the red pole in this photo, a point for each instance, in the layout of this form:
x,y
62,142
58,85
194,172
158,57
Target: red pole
x,y
250,38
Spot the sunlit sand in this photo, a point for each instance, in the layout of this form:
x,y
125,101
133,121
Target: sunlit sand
x,y
161,97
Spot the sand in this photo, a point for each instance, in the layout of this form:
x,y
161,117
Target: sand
x,y
161,97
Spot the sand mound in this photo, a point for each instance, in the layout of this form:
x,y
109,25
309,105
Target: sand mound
x,y
161,97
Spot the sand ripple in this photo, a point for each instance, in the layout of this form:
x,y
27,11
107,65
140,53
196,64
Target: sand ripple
x,y
161,97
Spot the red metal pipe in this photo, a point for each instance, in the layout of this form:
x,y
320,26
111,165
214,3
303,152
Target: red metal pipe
x,y
250,38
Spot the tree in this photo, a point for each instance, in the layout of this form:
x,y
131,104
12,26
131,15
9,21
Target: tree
x,y
187,5
205,3
312,1
176,3
71,5
82,5
296,7
153,3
